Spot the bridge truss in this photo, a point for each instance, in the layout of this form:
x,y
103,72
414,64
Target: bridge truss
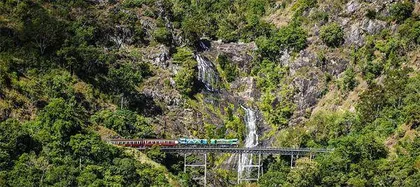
x,y
294,154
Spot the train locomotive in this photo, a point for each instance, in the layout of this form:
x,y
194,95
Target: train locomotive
x,y
181,142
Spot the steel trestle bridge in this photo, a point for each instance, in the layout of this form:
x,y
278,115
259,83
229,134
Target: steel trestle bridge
x,y
253,164
254,150
259,152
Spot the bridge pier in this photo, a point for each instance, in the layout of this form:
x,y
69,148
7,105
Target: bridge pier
x,y
241,177
293,159
204,178
294,154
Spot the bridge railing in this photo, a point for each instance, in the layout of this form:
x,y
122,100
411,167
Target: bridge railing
x,y
260,150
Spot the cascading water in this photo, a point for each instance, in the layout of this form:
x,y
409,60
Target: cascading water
x,y
251,140
207,73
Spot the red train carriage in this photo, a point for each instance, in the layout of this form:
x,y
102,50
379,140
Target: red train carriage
x,y
160,142
143,142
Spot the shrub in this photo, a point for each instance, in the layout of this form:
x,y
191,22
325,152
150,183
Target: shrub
x,y
401,11
332,35
125,122
227,31
182,54
349,79
320,16
411,31
186,78
267,47
135,3
292,37
123,78
162,35
371,71
229,68
371,14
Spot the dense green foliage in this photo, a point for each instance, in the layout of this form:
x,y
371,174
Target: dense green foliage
x,y
349,79
291,37
401,10
332,35
70,70
229,68
55,149
411,31
186,78
125,122
276,99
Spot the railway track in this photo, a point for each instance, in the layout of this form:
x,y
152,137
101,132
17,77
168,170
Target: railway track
x,y
255,150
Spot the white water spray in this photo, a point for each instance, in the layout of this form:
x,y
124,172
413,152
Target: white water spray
x,y
206,73
251,140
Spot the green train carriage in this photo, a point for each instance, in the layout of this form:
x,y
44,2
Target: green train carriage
x,y
224,142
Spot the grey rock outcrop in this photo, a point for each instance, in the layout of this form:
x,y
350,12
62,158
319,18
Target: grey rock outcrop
x,y
352,6
373,26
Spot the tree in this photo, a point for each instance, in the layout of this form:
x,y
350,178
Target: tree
x,y
155,154
229,68
349,79
227,30
14,141
58,121
40,28
162,35
91,175
305,173
411,107
332,35
401,10
410,30
125,77
182,55
90,149
125,122
291,37
194,27
26,172
276,175
126,168
186,78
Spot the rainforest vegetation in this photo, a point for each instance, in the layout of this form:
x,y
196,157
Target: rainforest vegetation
x,y
75,71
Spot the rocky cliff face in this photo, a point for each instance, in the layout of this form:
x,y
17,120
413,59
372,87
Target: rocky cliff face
x,y
309,70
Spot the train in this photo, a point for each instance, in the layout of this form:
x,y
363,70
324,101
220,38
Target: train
x,y
172,143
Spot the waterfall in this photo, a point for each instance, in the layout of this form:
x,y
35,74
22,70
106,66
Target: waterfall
x,y
207,73
251,140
